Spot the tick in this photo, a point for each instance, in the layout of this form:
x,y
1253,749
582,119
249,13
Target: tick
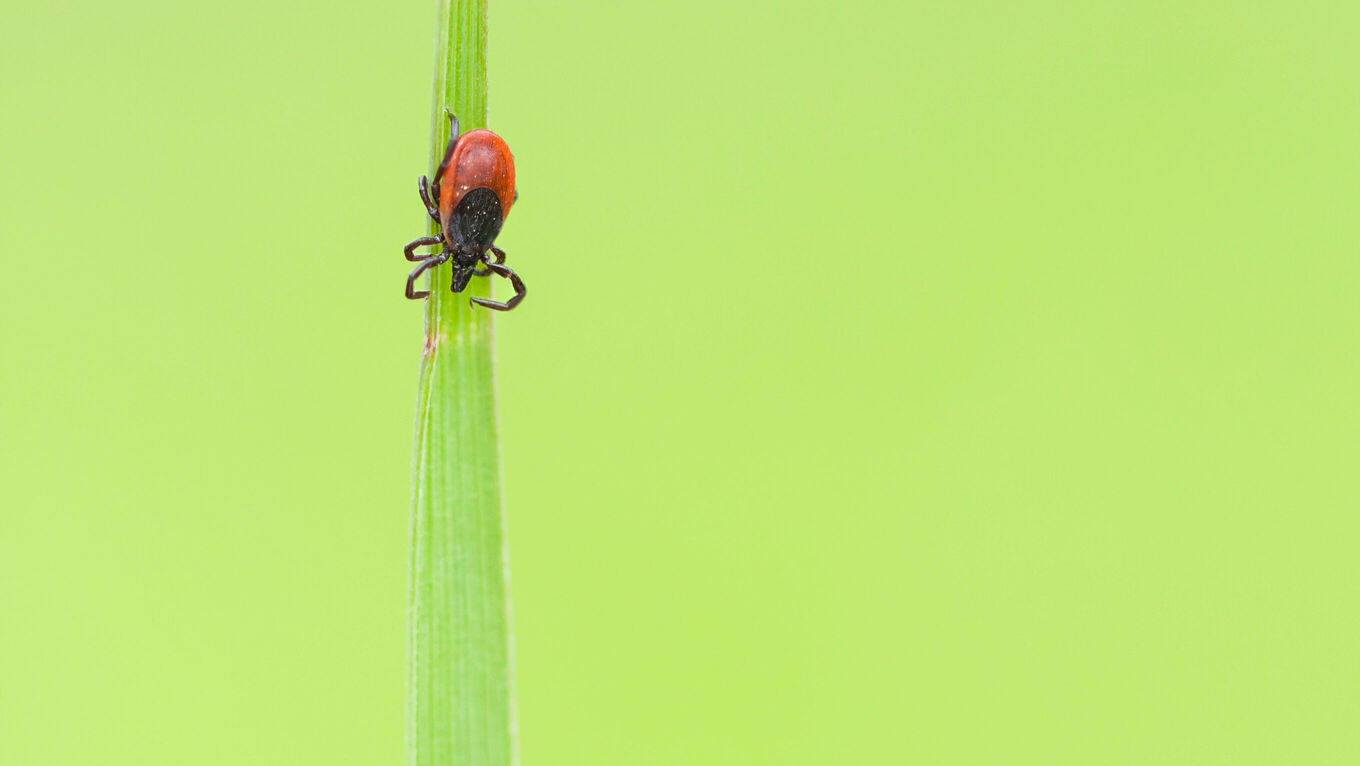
x,y
474,187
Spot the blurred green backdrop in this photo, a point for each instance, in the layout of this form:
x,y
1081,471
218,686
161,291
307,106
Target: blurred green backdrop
x,y
901,382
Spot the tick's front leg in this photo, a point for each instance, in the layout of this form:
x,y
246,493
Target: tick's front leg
x,y
413,256
508,273
428,263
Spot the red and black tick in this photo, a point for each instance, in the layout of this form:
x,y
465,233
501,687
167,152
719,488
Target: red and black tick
x,y
474,187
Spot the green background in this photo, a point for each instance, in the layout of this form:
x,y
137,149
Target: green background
x,y
900,382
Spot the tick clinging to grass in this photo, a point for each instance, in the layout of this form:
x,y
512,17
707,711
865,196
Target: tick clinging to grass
x,y
474,187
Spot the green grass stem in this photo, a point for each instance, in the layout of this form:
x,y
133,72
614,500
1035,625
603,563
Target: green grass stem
x,y
460,675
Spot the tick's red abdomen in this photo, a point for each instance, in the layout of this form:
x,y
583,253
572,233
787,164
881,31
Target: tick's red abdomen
x,y
480,159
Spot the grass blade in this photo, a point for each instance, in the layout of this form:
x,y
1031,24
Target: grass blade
x,y
460,678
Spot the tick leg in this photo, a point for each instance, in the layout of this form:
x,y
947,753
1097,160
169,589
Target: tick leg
x,y
413,256
453,124
430,207
508,273
448,151
428,263
500,258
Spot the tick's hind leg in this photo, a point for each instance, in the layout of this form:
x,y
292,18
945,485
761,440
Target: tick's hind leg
x,y
430,207
427,263
448,153
453,123
508,273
